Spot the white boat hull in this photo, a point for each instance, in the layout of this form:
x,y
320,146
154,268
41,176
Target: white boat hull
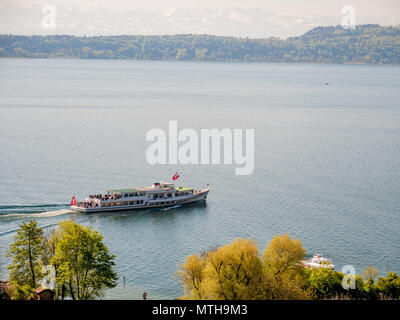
x,y
150,204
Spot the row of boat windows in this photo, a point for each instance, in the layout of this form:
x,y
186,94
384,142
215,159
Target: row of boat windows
x,y
155,196
131,203
134,194
140,194
170,195
165,202
125,203
152,196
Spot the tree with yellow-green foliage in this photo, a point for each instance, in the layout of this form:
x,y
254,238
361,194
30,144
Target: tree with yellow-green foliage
x,y
389,286
284,287
230,272
233,272
283,277
236,271
283,254
191,276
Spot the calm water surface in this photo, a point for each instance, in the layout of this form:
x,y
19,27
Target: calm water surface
x,y
327,158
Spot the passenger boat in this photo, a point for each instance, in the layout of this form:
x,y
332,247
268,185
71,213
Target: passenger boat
x,y
317,262
160,194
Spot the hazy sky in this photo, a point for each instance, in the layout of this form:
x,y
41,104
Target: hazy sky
x,y
255,18
388,8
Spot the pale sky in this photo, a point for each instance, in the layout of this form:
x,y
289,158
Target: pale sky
x,y
254,18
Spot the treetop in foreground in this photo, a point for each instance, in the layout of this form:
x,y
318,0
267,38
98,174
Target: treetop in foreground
x,y
237,271
80,264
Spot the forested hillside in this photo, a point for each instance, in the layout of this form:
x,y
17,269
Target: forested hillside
x,y
365,44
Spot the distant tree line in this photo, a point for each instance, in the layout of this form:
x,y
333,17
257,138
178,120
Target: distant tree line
x,y
236,271
371,44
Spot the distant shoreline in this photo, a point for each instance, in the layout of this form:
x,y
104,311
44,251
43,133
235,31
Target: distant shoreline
x,y
202,61
366,45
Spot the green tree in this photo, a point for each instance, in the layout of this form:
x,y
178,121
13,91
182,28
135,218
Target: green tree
x,y
83,261
26,250
359,291
370,291
326,283
389,286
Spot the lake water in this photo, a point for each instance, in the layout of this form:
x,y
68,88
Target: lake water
x,y
327,158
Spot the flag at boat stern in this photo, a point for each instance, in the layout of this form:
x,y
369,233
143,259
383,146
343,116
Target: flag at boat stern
x,y
73,201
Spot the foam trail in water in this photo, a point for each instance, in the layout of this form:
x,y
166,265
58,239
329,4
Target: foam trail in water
x,y
45,214
19,206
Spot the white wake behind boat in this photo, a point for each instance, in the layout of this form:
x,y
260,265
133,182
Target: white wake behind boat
x,y
160,194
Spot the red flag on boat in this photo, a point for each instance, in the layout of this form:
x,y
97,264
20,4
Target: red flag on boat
x,y
73,201
176,176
